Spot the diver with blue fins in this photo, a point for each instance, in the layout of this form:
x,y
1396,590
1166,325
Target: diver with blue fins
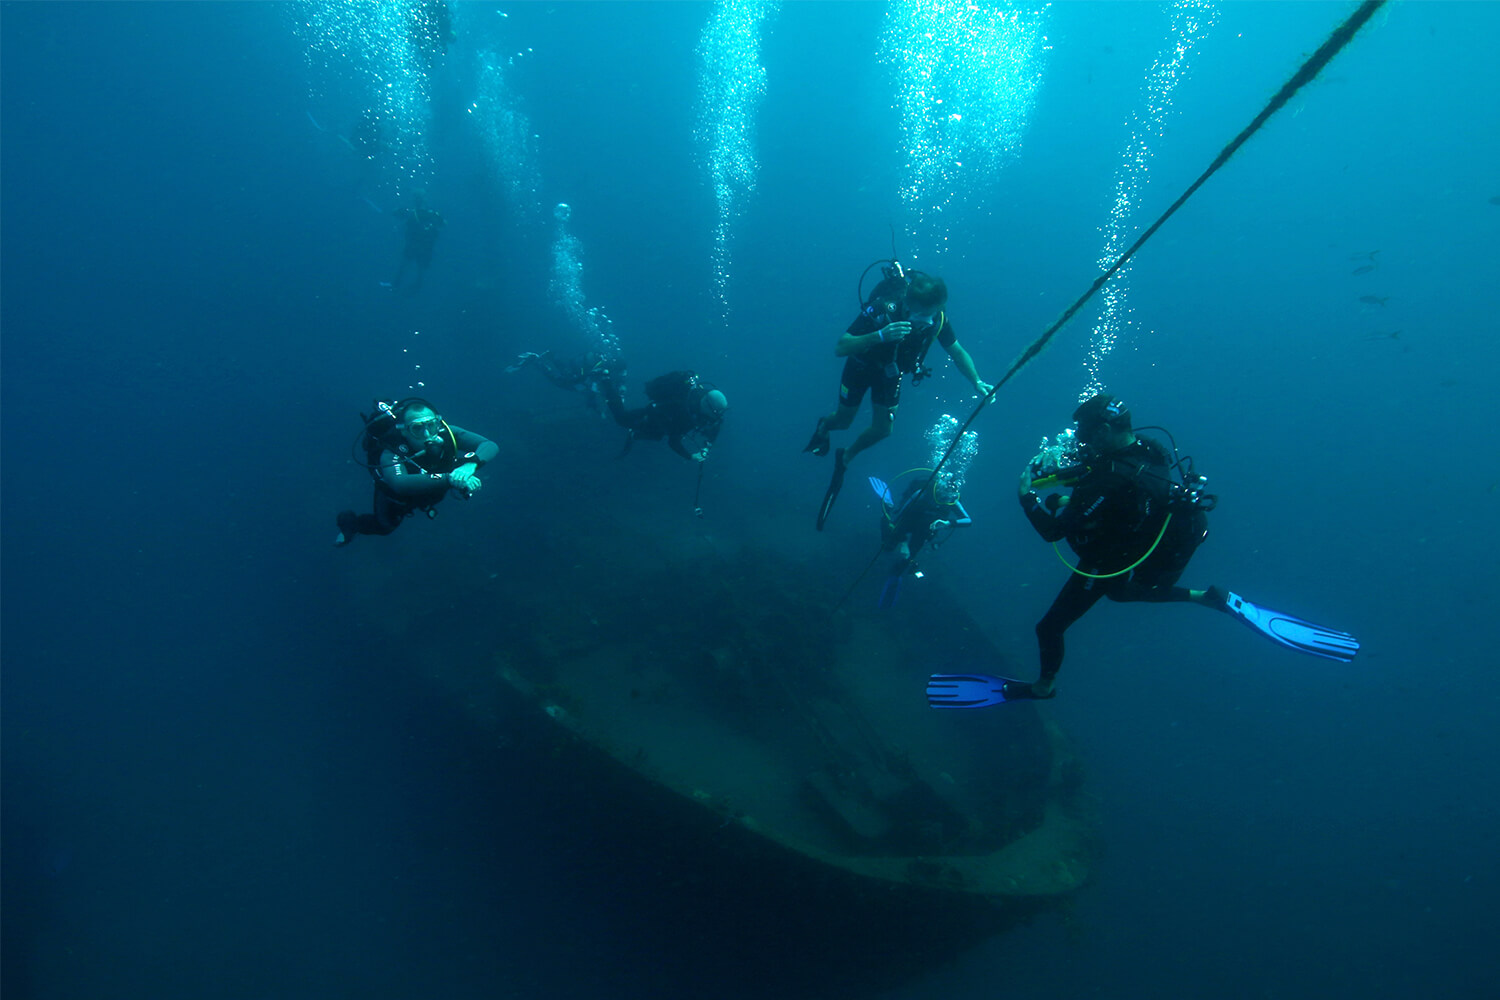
x,y
416,459
1135,516
929,510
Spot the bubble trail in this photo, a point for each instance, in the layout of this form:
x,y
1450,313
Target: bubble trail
x,y
731,85
509,143
384,47
566,288
1191,20
966,82
959,457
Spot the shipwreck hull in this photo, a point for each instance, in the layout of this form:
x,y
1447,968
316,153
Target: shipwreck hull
x,y
760,771
716,670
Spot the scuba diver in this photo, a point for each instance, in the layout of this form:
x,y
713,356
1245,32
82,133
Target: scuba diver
x,y
888,340
681,404
415,457
589,374
422,228
928,508
1135,516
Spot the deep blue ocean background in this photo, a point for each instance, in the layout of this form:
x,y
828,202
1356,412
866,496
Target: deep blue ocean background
x,y
214,787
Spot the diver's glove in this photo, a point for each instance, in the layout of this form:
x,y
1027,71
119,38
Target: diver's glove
x,y
939,525
701,455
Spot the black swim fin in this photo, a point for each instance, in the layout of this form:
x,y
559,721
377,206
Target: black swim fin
x,y
836,484
818,444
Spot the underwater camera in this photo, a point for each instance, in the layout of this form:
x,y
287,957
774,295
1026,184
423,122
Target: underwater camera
x,y
1058,460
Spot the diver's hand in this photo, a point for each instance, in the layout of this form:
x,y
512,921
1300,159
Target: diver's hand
x,y
894,333
983,388
466,483
939,525
701,455
1024,486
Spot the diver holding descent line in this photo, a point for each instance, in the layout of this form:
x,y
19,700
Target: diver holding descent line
x,y
1315,64
889,339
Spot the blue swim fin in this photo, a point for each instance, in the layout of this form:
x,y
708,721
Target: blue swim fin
x,y
1292,632
972,690
890,591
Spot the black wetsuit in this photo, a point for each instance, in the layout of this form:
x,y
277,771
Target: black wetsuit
x,y
404,485
879,370
422,228
912,518
1110,521
590,374
675,411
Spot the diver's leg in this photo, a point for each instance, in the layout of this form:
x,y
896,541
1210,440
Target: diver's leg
x,y
386,518
616,404
840,418
1071,603
348,523
854,382
1155,588
882,419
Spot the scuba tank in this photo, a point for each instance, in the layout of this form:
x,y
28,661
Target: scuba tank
x,y
381,433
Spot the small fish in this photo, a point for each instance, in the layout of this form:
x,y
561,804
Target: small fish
x,y
1363,270
1385,335
1374,300
1369,255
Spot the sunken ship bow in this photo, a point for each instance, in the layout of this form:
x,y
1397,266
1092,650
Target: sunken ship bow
x,y
755,769
716,724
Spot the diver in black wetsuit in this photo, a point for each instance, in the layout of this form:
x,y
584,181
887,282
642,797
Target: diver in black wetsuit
x,y
910,523
889,339
416,458
918,517
422,228
682,404
1132,524
589,375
